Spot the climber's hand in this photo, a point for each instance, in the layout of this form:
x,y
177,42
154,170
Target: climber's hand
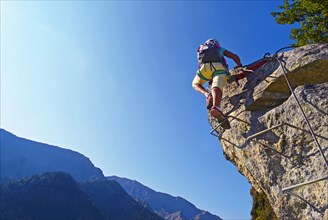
x,y
208,95
238,65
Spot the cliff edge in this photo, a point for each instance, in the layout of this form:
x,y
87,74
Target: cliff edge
x,y
285,154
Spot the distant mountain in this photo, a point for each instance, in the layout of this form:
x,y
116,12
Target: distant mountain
x,y
21,158
58,196
111,199
50,196
165,205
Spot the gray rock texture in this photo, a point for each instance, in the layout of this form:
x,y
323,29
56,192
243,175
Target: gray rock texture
x,y
286,155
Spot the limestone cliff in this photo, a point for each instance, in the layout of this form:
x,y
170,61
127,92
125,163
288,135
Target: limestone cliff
x,y
286,155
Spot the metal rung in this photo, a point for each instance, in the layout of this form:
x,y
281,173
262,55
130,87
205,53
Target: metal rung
x,y
215,135
303,184
214,129
264,131
219,124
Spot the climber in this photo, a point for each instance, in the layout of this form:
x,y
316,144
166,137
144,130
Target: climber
x,y
212,66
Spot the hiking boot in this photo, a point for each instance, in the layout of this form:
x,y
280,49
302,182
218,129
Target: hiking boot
x,y
226,125
209,102
217,113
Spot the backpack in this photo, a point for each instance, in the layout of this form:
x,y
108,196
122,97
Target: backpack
x,y
210,52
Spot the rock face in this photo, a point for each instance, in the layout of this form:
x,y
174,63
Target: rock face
x,y
286,155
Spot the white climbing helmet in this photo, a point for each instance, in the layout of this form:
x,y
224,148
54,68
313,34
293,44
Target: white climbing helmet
x,y
212,42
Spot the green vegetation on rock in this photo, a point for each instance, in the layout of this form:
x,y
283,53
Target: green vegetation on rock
x,y
261,209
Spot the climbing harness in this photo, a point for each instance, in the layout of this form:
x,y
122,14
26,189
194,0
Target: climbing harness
x,y
250,69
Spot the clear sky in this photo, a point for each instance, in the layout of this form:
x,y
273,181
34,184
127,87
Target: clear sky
x,y
112,80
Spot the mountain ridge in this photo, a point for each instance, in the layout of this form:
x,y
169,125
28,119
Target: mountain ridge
x,y
46,196
163,204
56,195
16,162
22,157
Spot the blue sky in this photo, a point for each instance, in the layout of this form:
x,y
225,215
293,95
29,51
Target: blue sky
x,y
112,80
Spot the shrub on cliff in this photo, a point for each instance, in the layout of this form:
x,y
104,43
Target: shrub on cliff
x,y
261,209
312,15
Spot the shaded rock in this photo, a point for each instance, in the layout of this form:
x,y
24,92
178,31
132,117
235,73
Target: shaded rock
x,y
305,65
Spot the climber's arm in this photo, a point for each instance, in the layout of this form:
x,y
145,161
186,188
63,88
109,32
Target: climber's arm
x,y
234,57
196,84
